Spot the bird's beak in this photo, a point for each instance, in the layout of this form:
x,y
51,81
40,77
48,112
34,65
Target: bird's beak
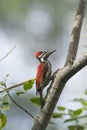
x,y
49,53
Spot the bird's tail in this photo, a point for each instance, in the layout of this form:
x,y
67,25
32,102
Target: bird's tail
x,y
41,99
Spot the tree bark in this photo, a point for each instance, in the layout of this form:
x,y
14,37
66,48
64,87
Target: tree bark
x,y
75,35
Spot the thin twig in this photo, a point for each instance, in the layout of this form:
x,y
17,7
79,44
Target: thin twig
x,y
22,108
14,86
8,52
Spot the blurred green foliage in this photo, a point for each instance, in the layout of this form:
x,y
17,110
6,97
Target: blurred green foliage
x,y
75,119
3,120
17,9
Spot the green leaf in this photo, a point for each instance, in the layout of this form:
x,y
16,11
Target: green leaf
x,y
19,93
85,92
74,113
4,106
70,120
71,112
84,103
28,85
3,120
7,75
5,102
77,100
76,127
61,108
35,100
2,83
81,100
5,99
77,112
57,115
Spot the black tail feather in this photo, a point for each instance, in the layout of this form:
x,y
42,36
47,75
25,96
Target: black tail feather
x,y
41,99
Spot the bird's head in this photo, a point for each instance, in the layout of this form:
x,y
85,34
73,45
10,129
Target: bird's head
x,y
43,55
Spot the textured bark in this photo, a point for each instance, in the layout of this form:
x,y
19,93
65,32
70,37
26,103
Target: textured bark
x,y
62,75
75,35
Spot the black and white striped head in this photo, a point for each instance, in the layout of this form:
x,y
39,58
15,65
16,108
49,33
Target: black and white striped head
x,y
43,55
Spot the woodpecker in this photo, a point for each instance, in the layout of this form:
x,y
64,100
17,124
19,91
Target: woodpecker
x,y
44,71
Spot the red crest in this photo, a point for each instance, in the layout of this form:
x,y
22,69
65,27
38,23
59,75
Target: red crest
x,y
37,54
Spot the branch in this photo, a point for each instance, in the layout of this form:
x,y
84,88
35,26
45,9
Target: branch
x,y
8,52
14,86
56,87
75,35
19,106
